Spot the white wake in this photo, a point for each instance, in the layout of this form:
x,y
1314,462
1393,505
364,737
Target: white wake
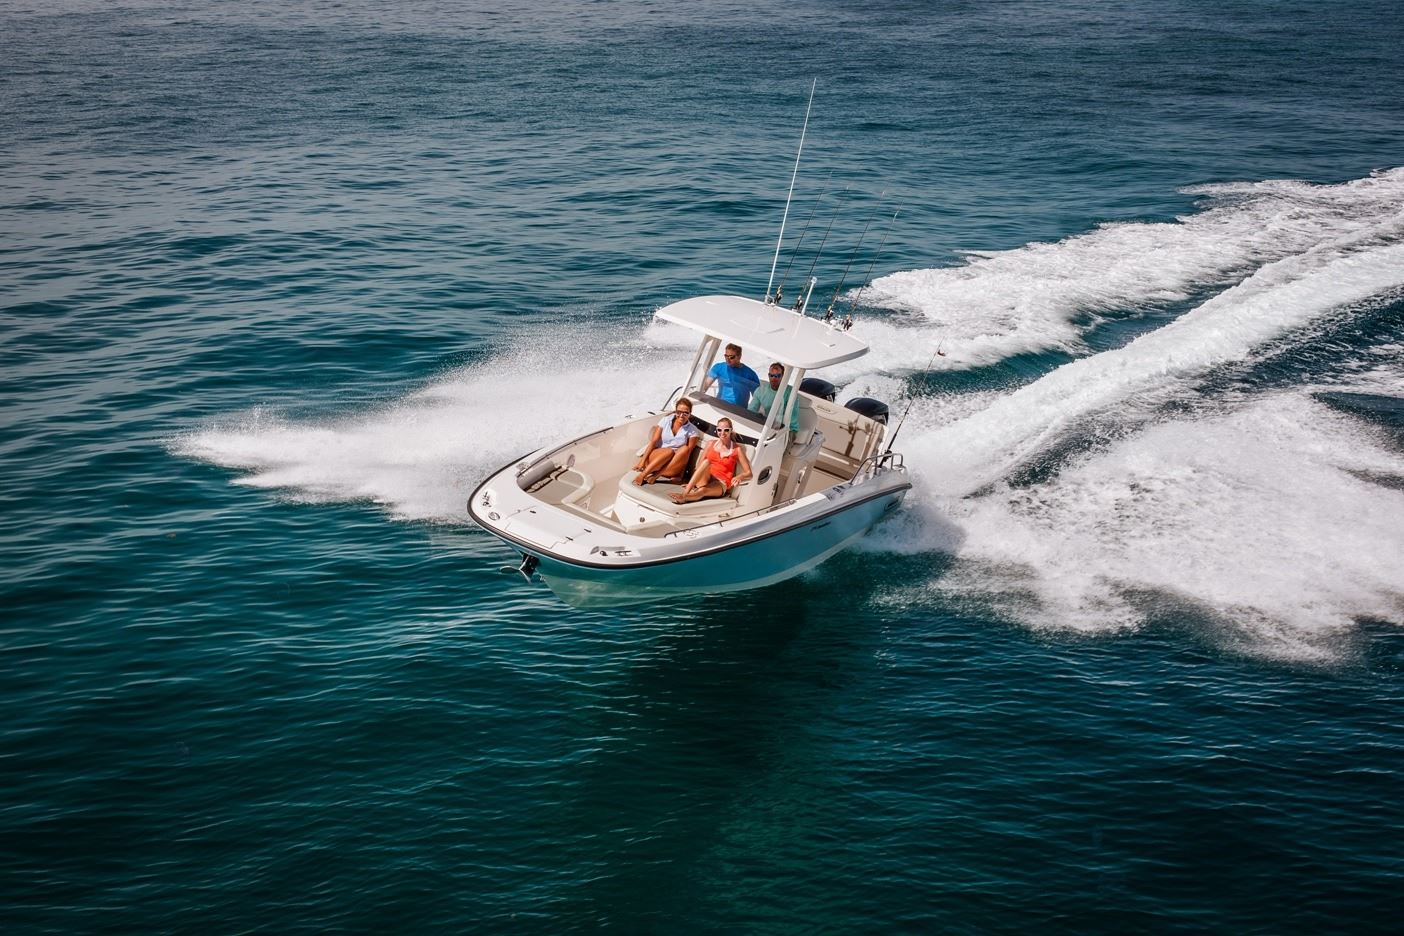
x,y
1047,296
1257,514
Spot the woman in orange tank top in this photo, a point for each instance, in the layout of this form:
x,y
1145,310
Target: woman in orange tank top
x,y
723,467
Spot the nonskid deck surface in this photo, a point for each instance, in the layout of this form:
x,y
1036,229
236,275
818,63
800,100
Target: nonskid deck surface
x,y
820,480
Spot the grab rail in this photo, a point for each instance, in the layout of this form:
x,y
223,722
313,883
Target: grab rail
x,y
875,464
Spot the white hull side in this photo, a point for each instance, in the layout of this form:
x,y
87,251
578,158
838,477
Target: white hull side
x,y
751,564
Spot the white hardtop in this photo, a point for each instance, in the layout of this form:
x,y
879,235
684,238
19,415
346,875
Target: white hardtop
x,y
766,331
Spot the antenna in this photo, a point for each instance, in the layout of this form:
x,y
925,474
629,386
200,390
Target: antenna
x,y
786,216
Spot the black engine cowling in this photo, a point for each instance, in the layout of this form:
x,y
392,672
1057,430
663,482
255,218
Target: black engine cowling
x,y
876,410
818,386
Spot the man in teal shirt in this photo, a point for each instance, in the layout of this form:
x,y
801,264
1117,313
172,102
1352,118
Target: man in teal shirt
x,y
760,399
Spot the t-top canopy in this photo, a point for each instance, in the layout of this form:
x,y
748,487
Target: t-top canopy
x,y
766,331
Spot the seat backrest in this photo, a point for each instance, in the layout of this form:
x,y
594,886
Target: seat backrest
x,y
808,422
799,459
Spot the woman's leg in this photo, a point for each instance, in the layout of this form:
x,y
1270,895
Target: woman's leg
x,y
711,488
653,465
649,449
677,464
700,477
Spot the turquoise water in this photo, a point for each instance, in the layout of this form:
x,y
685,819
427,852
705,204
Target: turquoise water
x,y
283,282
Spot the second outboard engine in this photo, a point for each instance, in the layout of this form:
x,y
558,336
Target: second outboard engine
x,y
876,410
818,386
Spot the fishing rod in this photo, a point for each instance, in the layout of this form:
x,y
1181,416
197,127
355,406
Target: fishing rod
x,y
810,275
785,217
910,400
867,277
784,277
829,313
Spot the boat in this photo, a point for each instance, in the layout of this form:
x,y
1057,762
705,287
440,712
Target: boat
x,y
574,513
822,475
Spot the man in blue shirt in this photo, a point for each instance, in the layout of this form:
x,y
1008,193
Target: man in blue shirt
x,y
765,394
735,380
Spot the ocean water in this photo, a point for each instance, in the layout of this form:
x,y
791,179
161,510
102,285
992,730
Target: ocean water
x,y
283,281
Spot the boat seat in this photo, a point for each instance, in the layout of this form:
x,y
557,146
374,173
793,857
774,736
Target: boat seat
x,y
655,497
808,423
563,486
687,470
801,454
583,484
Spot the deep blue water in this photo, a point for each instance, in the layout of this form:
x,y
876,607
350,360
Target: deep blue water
x,y
283,281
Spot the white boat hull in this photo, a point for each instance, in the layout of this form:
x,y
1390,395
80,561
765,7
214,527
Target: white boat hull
x,y
759,562
733,556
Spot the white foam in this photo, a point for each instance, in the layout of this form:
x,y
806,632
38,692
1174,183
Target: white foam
x,y
420,457
1045,296
1260,521
1278,299
1263,522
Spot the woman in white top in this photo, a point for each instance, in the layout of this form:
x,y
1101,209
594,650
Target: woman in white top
x,y
669,446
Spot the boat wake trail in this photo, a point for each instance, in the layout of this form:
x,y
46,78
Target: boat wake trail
x,y
419,457
1284,297
1120,485
1114,490
1048,296
1278,522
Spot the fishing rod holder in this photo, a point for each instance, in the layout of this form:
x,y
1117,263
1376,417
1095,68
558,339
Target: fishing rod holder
x,y
802,303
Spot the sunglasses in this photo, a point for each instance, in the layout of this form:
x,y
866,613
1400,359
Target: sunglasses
x,y
775,376
730,357
720,431
682,412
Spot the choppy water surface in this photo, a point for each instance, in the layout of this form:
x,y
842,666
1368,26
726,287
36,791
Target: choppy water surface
x,y
282,282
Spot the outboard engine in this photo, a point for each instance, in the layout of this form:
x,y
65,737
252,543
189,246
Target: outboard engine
x,y
876,410
818,386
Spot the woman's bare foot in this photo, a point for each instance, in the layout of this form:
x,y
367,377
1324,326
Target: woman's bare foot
x,y
644,478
